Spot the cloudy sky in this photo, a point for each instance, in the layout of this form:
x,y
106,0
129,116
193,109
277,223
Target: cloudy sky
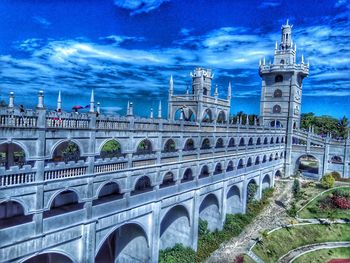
x,y
127,49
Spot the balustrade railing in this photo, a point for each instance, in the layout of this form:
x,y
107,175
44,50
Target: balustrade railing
x,y
64,173
18,121
17,178
111,167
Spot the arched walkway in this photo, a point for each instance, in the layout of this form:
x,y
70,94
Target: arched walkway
x,y
234,204
108,192
308,165
209,211
128,243
49,258
65,202
11,154
67,151
252,190
175,228
110,149
266,182
12,214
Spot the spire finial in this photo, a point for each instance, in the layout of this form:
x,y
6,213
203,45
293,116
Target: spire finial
x,y
302,59
59,101
92,101
264,61
216,92
98,109
229,91
151,113
40,99
171,85
11,100
276,45
160,109
287,24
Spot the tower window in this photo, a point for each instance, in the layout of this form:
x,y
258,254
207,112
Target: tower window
x,y
277,93
279,78
282,61
276,109
205,91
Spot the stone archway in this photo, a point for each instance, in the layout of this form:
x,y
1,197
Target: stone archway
x,y
308,166
234,203
49,258
266,182
209,211
175,228
127,243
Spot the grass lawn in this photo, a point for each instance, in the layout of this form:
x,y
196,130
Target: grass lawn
x,y
247,259
312,210
324,255
283,240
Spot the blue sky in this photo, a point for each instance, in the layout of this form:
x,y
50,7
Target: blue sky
x,y
127,50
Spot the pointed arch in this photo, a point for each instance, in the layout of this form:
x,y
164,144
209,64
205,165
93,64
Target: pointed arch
x,y
218,169
168,180
189,145
111,148
229,166
187,176
170,146
204,172
142,185
108,192
144,147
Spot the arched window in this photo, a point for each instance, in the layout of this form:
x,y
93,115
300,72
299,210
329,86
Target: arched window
x,y
265,141
189,145
205,144
168,180
229,167
250,142
11,154
231,143
219,143
271,140
12,214
249,162
336,159
257,160
241,142
281,155
144,147
207,116
258,141
66,152
205,91
271,157
221,117
65,202
264,159
277,140
188,176
276,109
170,146
282,61
109,192
276,156
282,140
142,185
204,172
218,169
277,93
240,164
279,78
111,149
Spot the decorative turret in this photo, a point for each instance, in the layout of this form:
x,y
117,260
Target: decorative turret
x,y
201,81
40,99
59,102
11,100
216,92
229,92
286,37
151,113
160,110
98,109
129,111
171,86
92,101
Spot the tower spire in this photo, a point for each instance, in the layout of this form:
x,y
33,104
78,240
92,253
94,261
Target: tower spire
x,y
92,101
229,91
171,85
160,109
59,101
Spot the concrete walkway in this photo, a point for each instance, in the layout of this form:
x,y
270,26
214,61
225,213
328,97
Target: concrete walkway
x,y
295,253
272,217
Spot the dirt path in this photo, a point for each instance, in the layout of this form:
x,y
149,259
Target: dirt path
x,y
273,216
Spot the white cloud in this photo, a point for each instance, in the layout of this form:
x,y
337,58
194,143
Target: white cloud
x,y
42,21
139,6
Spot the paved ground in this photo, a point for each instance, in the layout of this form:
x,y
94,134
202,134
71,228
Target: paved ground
x,y
273,216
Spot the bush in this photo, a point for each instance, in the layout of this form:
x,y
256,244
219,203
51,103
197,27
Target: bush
x,y
239,259
178,253
202,227
292,211
336,176
296,188
327,181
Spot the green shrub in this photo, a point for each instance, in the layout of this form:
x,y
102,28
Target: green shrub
x,y
176,254
296,188
327,181
202,227
292,211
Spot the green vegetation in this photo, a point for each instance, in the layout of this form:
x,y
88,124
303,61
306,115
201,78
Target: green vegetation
x,y
327,181
332,204
247,259
208,242
280,242
325,124
324,255
179,253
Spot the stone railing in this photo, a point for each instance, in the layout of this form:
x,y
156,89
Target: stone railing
x,y
16,176
61,170
13,117
67,120
109,167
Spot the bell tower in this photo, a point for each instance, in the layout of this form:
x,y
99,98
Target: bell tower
x,y
281,87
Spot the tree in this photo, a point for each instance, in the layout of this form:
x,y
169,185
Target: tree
x,y
296,188
327,181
